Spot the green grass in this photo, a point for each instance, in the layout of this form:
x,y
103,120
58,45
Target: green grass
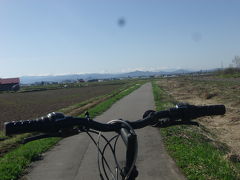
x,y
162,99
228,73
100,108
194,149
234,75
13,163
13,141
81,104
113,94
2,135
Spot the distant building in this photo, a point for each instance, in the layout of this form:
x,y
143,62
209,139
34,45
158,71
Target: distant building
x,y
9,84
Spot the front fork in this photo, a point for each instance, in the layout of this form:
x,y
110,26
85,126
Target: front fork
x,y
130,140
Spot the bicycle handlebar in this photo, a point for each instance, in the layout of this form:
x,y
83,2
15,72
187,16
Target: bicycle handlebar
x,y
54,122
187,112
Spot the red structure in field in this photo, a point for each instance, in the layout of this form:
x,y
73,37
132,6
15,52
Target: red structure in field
x,y
9,84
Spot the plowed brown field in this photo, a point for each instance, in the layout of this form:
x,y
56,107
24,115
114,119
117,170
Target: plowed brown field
x,y
21,106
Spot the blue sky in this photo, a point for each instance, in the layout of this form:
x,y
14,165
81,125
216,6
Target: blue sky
x,y
42,37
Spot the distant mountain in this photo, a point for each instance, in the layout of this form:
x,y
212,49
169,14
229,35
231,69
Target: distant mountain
x,y
60,78
180,71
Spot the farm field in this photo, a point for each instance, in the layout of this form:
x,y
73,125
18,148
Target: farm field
x,y
207,91
13,168
22,106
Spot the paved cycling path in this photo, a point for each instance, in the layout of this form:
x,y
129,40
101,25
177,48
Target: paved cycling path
x,y
75,158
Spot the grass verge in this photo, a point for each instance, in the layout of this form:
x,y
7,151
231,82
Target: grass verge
x,y
194,149
13,163
94,101
228,73
103,106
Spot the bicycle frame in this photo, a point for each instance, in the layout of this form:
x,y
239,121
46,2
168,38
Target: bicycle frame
x,y
130,140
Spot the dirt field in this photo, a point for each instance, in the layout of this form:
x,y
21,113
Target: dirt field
x,y
21,106
209,91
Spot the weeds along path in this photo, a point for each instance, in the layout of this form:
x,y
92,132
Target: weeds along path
x,y
195,148
76,157
198,92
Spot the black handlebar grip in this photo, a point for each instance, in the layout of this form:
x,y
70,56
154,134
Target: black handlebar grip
x,y
210,110
188,112
43,124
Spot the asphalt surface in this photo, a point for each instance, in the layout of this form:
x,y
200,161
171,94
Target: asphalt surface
x,y
75,158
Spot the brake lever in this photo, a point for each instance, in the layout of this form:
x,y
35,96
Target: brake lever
x,y
41,136
61,133
193,123
168,122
